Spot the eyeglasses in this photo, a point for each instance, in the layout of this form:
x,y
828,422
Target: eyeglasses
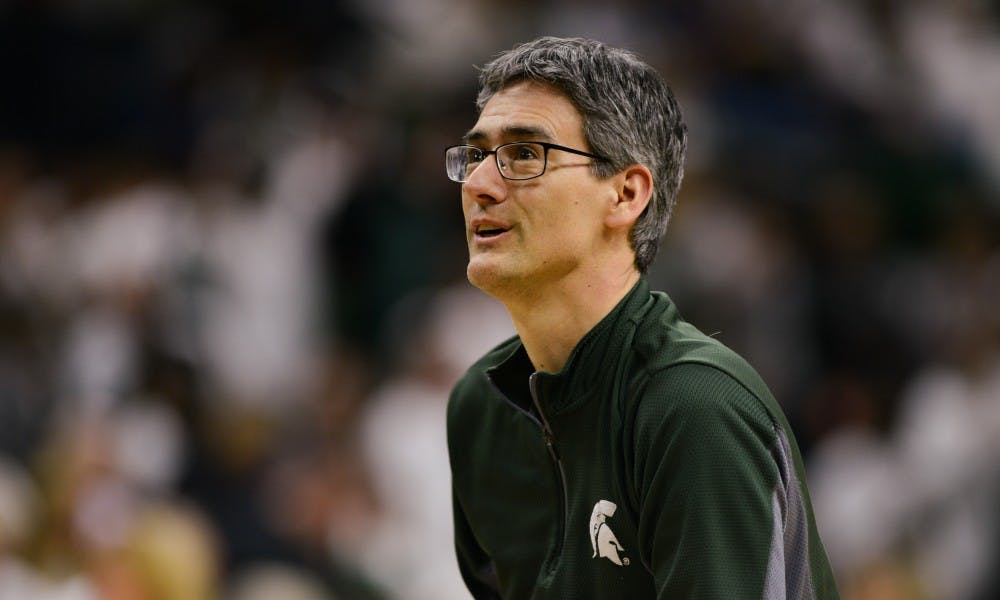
x,y
516,161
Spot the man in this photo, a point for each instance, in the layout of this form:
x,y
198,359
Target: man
x,y
609,450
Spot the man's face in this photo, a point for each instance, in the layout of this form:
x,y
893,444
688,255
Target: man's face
x,y
550,226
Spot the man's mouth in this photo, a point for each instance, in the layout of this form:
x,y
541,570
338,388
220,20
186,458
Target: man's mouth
x,y
489,232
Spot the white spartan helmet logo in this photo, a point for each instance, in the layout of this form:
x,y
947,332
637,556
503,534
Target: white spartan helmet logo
x,y
602,539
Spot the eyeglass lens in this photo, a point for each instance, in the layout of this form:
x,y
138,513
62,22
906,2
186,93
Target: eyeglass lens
x,y
519,160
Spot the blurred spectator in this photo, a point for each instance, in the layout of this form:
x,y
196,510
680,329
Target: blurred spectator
x,y
410,548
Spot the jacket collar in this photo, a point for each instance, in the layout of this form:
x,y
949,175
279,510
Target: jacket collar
x,y
595,358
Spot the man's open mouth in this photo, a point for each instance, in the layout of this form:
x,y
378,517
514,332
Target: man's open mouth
x,y
490,231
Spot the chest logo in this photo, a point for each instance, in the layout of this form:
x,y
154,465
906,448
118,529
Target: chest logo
x,y
602,539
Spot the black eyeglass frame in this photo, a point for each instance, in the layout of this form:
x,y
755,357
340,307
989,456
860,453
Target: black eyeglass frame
x,y
545,157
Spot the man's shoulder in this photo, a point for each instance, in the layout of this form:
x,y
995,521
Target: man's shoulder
x,y
664,341
681,371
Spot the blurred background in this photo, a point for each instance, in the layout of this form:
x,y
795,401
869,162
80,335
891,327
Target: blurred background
x,y
232,294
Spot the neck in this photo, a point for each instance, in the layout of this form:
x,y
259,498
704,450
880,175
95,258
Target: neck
x,y
552,321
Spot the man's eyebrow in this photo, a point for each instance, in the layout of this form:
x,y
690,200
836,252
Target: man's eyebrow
x,y
511,133
473,136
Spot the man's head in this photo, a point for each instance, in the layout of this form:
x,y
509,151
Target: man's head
x,y
629,116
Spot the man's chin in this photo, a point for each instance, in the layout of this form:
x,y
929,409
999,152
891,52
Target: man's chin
x,y
488,274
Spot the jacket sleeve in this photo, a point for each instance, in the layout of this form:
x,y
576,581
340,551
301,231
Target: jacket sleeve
x,y
705,480
474,564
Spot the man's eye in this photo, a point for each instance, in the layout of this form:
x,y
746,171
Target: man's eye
x,y
525,153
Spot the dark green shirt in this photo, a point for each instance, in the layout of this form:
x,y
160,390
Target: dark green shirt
x,y
656,464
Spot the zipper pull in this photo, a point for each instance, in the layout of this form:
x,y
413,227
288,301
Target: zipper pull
x,y
550,442
548,437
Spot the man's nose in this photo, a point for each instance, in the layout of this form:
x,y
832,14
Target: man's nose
x,y
485,185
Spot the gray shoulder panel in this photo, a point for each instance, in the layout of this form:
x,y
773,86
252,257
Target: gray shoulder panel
x,y
788,574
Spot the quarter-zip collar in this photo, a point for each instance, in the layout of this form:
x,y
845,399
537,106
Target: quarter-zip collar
x,y
573,385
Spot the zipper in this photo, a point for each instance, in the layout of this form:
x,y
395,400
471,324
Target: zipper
x,y
550,444
547,436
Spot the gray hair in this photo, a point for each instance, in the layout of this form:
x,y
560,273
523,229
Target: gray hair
x,y
629,116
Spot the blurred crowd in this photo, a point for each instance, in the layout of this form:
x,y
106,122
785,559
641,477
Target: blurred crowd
x,y
232,294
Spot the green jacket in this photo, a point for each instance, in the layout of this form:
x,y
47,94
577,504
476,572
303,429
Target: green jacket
x,y
656,464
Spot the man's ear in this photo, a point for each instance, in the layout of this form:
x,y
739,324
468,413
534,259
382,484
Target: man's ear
x,y
635,189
